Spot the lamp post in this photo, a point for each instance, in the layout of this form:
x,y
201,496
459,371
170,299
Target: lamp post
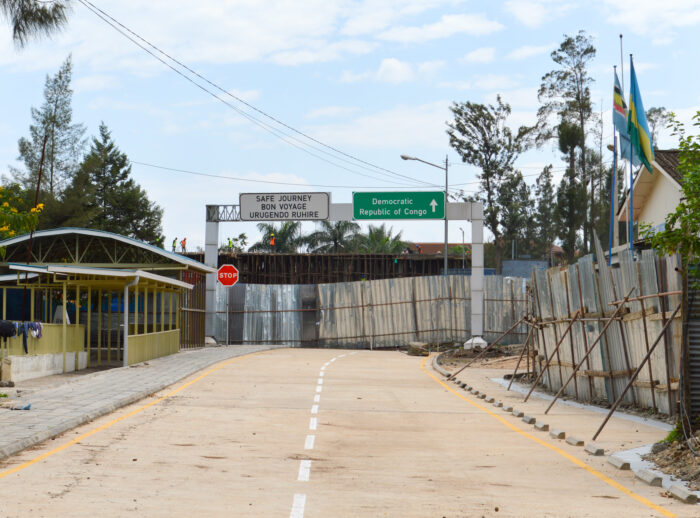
x,y
464,262
407,157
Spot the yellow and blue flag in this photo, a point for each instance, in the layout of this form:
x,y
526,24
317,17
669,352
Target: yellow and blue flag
x,y
637,123
620,123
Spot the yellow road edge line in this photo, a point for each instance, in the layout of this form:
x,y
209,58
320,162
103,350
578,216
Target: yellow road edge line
x,y
119,419
571,458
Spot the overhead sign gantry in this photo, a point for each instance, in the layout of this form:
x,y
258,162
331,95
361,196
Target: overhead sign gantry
x,y
316,206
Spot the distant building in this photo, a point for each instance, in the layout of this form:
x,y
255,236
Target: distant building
x,y
438,248
655,195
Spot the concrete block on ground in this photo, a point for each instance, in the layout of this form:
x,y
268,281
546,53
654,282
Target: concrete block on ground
x,y
542,427
557,434
594,449
649,477
475,392
507,408
682,494
467,388
518,413
528,419
498,404
490,400
482,396
574,441
462,384
618,462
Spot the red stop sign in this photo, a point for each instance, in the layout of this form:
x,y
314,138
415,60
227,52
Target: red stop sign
x,y
227,275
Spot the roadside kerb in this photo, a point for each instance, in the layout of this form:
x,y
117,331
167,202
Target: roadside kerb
x,y
162,372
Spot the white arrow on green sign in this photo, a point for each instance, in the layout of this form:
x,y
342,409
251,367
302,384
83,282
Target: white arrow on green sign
x,y
398,205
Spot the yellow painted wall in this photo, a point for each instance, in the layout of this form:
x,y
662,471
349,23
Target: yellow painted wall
x,y
153,345
51,341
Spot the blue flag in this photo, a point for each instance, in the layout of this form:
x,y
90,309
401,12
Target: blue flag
x,y
620,123
637,124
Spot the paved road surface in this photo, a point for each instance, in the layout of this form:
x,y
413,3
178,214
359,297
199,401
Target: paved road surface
x,y
321,433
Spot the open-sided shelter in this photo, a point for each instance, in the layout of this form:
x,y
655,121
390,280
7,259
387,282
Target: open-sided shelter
x,y
81,297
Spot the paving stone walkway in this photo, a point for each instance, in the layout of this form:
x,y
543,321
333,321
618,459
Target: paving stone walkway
x,y
56,409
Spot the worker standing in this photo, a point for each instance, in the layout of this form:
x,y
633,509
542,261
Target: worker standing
x,y
183,245
175,244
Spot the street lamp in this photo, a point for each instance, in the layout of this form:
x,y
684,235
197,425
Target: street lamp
x,y
464,263
407,157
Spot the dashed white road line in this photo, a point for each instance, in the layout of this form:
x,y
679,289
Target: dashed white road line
x,y
317,398
320,381
298,506
314,409
309,444
321,374
319,389
304,470
313,423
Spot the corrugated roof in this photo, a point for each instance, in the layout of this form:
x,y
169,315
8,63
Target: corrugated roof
x,y
667,159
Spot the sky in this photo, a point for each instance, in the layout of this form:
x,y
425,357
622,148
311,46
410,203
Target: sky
x,y
372,79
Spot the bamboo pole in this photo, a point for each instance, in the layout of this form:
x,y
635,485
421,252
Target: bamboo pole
x,y
539,308
525,348
646,343
636,373
489,347
571,334
554,327
590,349
662,301
549,360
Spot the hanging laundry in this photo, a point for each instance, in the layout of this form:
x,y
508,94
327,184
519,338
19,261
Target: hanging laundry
x,y
7,329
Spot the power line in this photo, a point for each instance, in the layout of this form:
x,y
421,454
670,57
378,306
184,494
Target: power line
x,y
358,162
242,179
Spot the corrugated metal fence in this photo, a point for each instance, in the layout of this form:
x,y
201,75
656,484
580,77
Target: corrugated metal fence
x,y
368,314
588,296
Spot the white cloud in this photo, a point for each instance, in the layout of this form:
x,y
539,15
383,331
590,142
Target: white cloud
x,y
449,25
429,68
95,82
482,55
401,127
534,13
528,51
495,82
391,70
645,16
330,112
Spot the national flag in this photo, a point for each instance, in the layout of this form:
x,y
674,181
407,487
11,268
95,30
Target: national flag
x,y
637,123
620,123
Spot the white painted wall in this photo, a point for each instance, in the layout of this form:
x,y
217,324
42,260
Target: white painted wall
x,y
664,197
19,368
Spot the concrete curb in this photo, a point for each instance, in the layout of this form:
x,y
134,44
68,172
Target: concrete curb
x,y
437,367
64,426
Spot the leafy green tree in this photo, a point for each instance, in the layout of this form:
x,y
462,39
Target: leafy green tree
x,y
380,240
287,238
482,138
116,203
658,117
333,237
33,18
565,93
571,194
64,140
544,213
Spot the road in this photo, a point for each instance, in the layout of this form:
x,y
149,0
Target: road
x,y
326,433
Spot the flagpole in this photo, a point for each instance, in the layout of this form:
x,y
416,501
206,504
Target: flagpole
x,y
631,203
612,239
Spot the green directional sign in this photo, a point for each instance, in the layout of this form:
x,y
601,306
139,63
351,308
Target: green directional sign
x,y
398,205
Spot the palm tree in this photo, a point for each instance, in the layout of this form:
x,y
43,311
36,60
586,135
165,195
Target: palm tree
x,y
379,240
334,238
287,238
33,18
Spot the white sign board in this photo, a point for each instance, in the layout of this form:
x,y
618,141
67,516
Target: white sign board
x,y
284,206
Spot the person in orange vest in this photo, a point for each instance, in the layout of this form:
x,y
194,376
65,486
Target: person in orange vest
x,y
183,245
272,241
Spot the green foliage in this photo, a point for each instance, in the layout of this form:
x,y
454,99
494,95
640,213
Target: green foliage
x,y
15,217
236,244
333,237
657,117
682,230
64,140
544,214
33,18
380,240
482,138
288,238
675,434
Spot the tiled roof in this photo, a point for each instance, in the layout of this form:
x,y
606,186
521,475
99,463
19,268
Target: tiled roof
x,y
668,160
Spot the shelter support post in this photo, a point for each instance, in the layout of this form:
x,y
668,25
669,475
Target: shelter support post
x,y
64,325
99,327
211,258
89,329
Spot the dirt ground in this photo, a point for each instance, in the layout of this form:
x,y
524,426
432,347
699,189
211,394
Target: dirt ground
x,y
677,459
389,439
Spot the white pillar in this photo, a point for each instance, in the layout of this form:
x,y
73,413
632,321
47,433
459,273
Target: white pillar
x,y
477,280
211,258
